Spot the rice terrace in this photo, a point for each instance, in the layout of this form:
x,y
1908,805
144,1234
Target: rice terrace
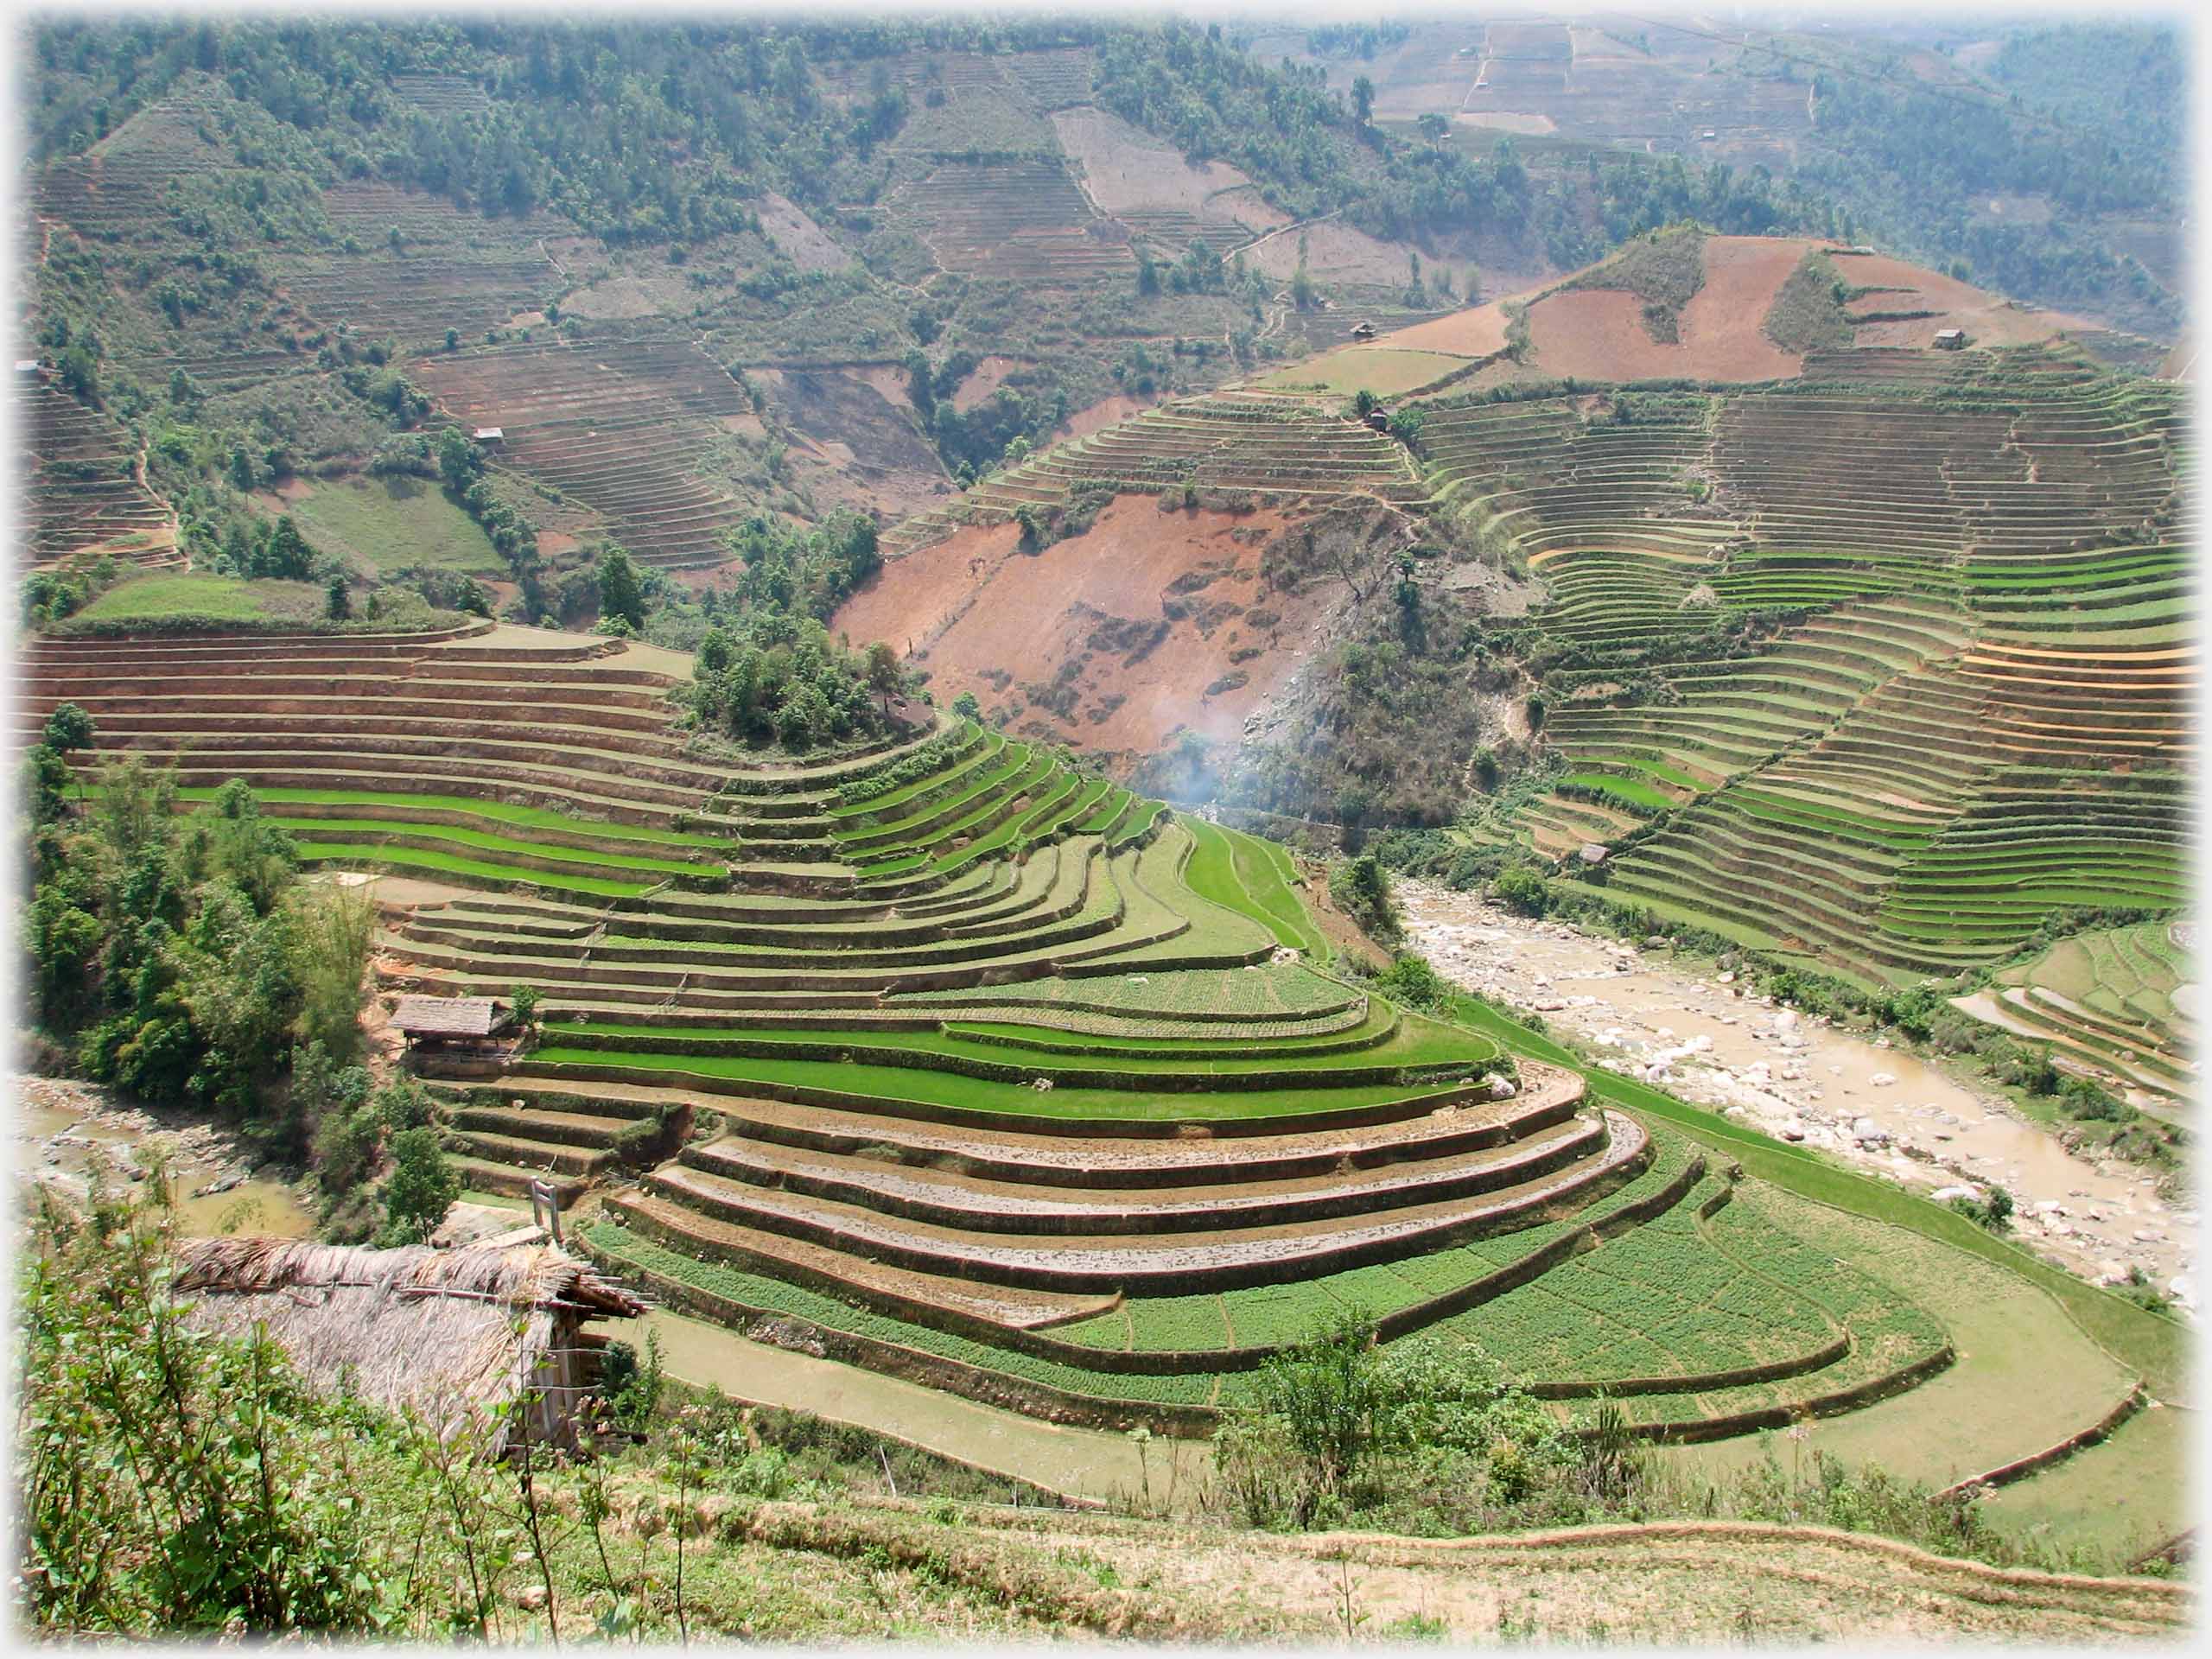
x,y
858,827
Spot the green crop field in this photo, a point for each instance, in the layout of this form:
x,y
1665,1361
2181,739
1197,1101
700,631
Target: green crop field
x,y
148,598
381,525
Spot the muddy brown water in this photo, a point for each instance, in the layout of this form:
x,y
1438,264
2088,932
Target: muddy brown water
x,y
59,1130
1674,1022
1077,1462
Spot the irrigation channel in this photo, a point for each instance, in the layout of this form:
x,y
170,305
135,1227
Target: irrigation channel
x,y
1086,1464
1683,1024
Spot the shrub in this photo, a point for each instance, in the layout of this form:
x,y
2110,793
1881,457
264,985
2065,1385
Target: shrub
x,y
1521,891
421,1189
170,1480
1362,891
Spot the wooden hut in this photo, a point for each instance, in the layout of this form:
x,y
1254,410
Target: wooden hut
x,y
448,1334
444,1023
1950,339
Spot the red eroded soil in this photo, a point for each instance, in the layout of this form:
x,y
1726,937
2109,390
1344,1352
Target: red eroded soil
x,y
985,380
1987,318
1599,333
1475,333
976,605
1107,411
1723,327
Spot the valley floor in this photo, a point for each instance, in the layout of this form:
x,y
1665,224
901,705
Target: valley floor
x,y
1803,1080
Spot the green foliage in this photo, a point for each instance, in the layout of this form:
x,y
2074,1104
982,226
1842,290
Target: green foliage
x,y
620,597
1993,1211
792,572
1362,891
171,1481
1338,1429
1412,981
783,681
422,1187
1521,891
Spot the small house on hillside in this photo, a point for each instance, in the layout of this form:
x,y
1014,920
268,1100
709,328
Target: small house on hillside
x,y
1379,418
441,1023
27,365
490,435
1950,339
1363,330
448,1334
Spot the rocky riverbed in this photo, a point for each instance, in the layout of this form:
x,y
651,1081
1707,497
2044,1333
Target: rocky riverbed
x,y
1688,1027
60,1130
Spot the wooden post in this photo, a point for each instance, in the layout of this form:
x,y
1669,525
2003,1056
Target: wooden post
x,y
545,1208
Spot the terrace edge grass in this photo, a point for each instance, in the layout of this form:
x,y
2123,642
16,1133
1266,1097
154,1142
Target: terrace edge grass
x,y
2154,1345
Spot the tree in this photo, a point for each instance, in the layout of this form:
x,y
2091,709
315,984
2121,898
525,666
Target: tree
x,y
338,600
1362,100
422,1188
621,595
459,459
69,728
286,555
525,999
1521,890
883,674
966,707
1364,402
452,339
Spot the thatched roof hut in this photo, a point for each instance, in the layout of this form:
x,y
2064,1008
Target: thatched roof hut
x,y
442,1018
446,1334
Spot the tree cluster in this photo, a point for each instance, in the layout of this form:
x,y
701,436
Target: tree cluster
x,y
771,677
174,954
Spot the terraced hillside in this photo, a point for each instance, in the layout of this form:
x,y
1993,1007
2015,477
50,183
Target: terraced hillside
x,y
2117,1002
82,487
951,1060
620,427
1876,668
1275,449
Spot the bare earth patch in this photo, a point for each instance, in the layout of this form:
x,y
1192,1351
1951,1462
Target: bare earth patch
x,y
1599,333
1477,331
975,610
1124,167
1987,318
798,239
988,376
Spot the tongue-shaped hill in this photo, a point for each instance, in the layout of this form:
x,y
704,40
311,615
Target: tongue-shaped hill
x,y
946,1057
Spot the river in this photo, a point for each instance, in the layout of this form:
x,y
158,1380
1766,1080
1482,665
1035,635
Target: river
x,y
1684,1024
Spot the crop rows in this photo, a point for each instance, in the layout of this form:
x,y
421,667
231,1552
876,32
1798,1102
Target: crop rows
x,y
1022,221
82,487
1013,1089
420,266
1961,569
620,427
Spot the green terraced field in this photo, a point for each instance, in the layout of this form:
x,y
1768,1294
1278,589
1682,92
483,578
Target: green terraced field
x,y
972,1062
1963,687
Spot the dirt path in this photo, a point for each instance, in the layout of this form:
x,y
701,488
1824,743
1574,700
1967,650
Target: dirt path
x,y
1691,1029
1705,1584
